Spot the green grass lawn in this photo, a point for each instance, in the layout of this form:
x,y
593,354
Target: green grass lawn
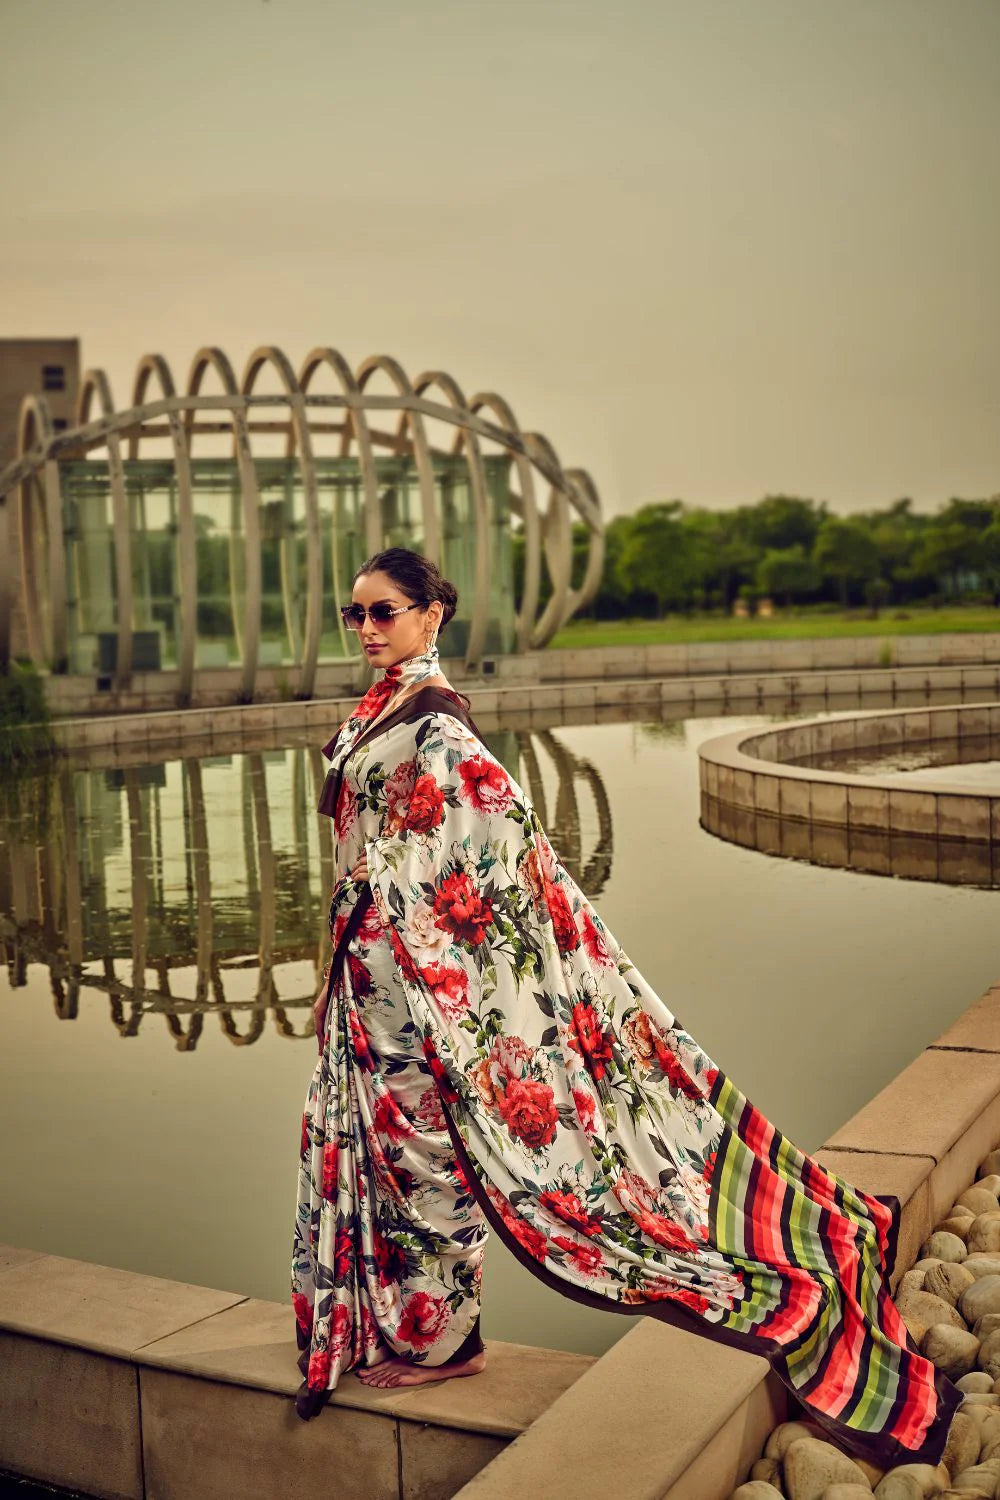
x,y
785,625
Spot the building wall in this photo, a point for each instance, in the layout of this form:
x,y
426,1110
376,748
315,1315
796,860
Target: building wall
x,y
47,367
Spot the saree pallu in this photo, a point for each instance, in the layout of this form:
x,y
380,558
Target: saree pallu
x,y
612,1155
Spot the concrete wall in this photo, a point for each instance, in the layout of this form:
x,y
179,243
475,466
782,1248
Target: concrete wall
x,y
726,658
136,1388
882,824
744,671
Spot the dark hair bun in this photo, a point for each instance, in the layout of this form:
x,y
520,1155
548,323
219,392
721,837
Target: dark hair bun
x,y
448,594
415,575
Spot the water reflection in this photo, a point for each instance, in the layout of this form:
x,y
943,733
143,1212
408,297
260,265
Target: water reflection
x,y
196,886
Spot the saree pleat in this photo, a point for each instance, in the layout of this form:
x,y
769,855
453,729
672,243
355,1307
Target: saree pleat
x,y
589,1129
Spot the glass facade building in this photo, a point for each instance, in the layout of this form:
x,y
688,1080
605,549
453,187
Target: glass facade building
x,y
184,563
153,508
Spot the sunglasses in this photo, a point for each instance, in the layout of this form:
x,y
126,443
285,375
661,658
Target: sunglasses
x,y
353,615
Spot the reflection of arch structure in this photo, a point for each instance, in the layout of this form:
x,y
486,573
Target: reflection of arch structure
x,y
566,826
525,462
55,909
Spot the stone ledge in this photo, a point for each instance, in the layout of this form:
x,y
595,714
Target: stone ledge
x,y
977,1028
654,1372
225,1338
70,1417
100,1308
926,1108
525,681
253,1344
206,1439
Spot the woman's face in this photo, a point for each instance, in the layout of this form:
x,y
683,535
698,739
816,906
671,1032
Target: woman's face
x,y
404,635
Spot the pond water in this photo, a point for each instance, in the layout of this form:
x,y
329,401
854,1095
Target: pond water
x,y
162,927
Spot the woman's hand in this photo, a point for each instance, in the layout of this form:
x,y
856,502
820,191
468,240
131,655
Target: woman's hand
x,y
360,870
319,1014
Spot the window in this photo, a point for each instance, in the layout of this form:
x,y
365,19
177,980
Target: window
x,y
53,378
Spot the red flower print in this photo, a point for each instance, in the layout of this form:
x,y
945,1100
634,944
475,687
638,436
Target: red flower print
x,y
642,1201
399,783
429,1110
337,930
451,988
711,1074
361,979
663,1230
390,1260
657,1289
398,790
532,1239
346,812
674,1070
567,1206
588,1037
390,1121
303,1310
404,962
593,941
459,908
424,1320
371,929
392,1180
370,1336
359,1042
563,925
586,1258
319,1369
426,809
304,1143
377,696
456,1172
511,1056
585,1107
485,785
341,1328
330,1154
343,1256
529,1112
439,1073
709,1169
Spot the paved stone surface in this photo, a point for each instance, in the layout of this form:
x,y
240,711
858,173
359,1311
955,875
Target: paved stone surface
x,y
254,1344
100,1307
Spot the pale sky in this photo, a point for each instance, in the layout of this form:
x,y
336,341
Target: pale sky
x,y
710,248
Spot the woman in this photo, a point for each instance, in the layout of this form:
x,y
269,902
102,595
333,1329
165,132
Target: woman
x,y
489,1056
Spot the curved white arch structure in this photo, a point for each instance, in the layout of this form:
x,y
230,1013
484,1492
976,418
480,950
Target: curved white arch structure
x,y
187,559
363,419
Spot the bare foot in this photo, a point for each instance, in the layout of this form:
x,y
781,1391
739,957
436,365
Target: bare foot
x,y
397,1372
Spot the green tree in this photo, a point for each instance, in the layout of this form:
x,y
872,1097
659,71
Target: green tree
x,y
947,551
989,557
846,553
660,558
727,557
787,573
951,547
781,521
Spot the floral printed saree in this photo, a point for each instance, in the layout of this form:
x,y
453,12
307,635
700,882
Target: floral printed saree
x,y
493,1058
